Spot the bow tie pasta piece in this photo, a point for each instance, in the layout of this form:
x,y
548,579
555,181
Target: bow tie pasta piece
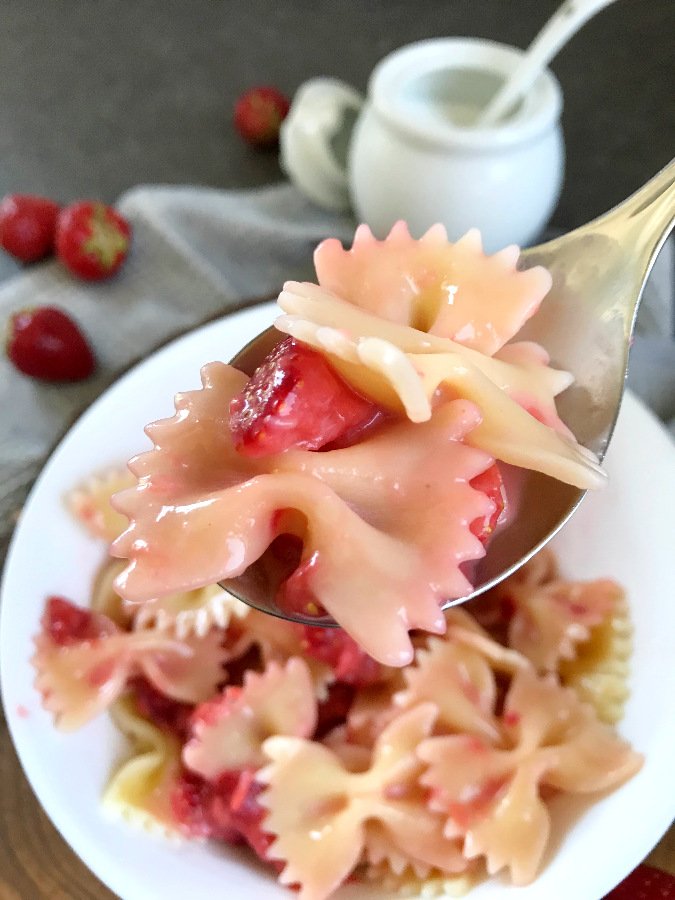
x,y
459,681
200,517
90,503
104,598
228,731
491,795
194,674
381,850
141,788
333,326
373,709
551,621
191,612
600,669
79,677
531,436
409,884
277,640
318,810
452,290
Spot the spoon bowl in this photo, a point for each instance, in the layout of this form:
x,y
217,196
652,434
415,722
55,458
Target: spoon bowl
x,y
586,324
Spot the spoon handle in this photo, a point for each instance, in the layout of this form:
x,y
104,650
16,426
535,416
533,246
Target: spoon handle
x,y
651,208
640,226
564,23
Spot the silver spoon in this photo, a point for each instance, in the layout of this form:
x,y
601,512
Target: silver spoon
x,y
586,324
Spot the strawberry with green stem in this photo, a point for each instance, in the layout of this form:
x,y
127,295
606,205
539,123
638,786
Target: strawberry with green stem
x,y
92,239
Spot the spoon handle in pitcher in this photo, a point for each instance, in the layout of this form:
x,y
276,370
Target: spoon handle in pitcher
x,y
564,23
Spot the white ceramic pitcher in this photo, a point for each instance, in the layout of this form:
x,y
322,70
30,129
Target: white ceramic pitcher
x,y
408,150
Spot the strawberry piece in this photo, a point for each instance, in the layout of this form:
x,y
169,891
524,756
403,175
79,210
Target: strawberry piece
x,y
65,623
295,399
92,239
645,883
225,810
247,814
168,714
490,483
333,710
295,596
258,115
45,343
333,646
27,226
191,801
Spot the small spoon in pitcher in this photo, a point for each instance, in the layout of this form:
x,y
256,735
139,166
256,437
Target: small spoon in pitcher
x,y
586,324
562,26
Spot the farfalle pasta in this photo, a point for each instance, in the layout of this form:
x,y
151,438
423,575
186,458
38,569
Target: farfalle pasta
x,y
289,739
140,789
411,748
383,418
330,766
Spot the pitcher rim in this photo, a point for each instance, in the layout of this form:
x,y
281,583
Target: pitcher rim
x,y
423,57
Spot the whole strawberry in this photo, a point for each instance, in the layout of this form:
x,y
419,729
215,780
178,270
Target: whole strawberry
x,y
27,226
645,883
45,343
258,115
92,239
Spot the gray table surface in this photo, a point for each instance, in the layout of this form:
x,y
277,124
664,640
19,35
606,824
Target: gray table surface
x,y
99,95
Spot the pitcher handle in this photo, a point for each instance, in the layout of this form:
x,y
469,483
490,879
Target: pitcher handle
x,y
315,138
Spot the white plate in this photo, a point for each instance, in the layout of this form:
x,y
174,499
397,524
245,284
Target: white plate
x,y
624,532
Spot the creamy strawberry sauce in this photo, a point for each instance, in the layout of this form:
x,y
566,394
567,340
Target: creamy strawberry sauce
x,y
386,522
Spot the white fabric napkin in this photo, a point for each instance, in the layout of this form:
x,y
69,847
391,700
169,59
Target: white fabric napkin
x,y
198,252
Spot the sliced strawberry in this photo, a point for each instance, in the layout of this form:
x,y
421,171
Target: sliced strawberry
x,y
295,595
645,883
191,806
491,484
295,399
166,713
336,648
65,623
247,814
333,710
225,810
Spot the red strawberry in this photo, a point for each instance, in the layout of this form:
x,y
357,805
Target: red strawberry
x,y
333,710
225,810
295,399
27,226
65,623
336,648
92,239
45,343
490,483
166,713
191,800
295,596
645,883
258,114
